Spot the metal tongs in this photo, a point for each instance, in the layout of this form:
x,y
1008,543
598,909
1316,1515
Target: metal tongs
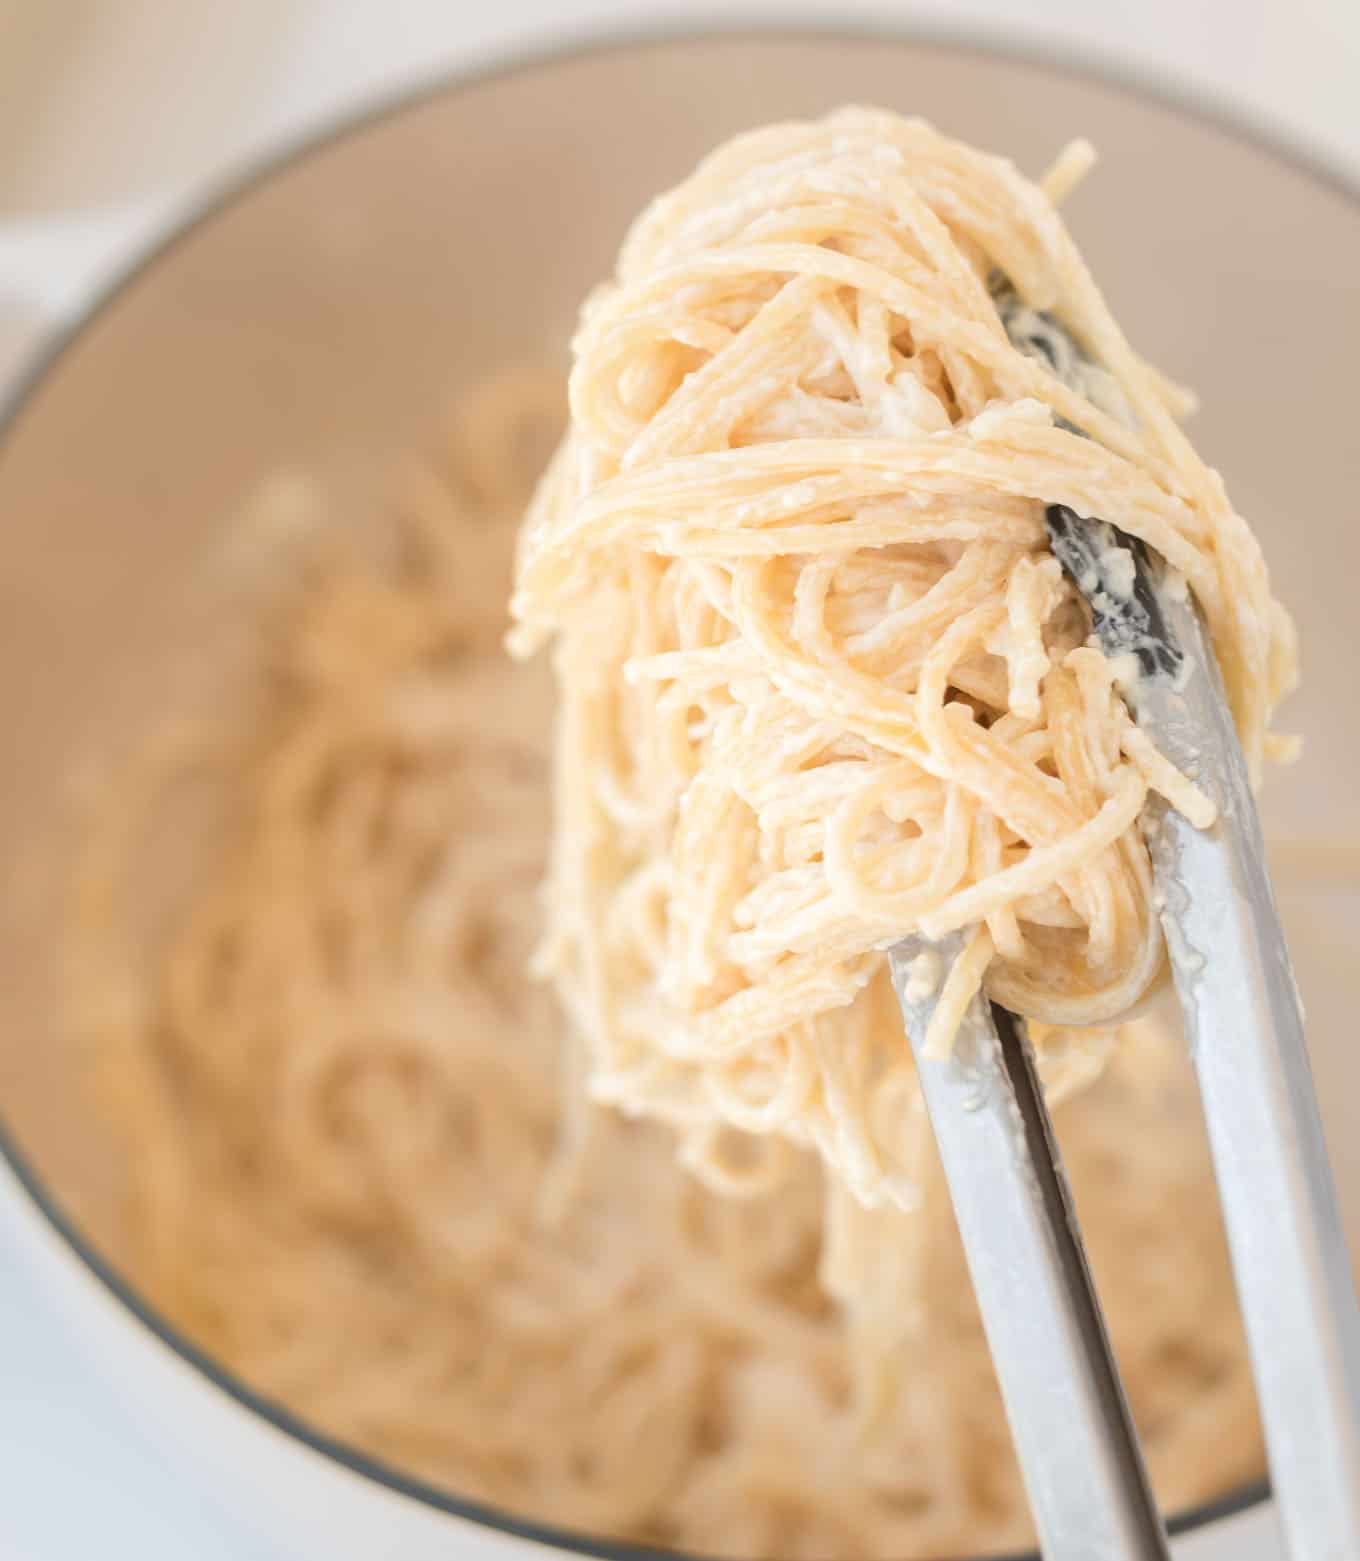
x,y
1078,1451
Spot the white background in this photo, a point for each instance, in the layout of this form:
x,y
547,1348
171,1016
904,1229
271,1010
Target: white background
x,y
110,110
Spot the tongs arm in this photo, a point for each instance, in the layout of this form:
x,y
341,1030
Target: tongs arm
x,y
1079,1456
1244,1026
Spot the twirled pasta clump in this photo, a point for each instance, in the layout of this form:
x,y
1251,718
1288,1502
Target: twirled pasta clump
x,y
822,683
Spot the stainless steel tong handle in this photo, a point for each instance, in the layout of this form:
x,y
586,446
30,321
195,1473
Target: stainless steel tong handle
x,y
1244,1026
1078,1452
1079,1456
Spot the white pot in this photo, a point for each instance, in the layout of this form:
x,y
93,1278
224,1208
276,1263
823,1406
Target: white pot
x,y
320,316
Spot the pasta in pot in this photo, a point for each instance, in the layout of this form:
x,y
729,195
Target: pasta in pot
x,y
374,1172
354,1182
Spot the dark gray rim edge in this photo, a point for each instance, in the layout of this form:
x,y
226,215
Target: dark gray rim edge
x,y
1193,104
